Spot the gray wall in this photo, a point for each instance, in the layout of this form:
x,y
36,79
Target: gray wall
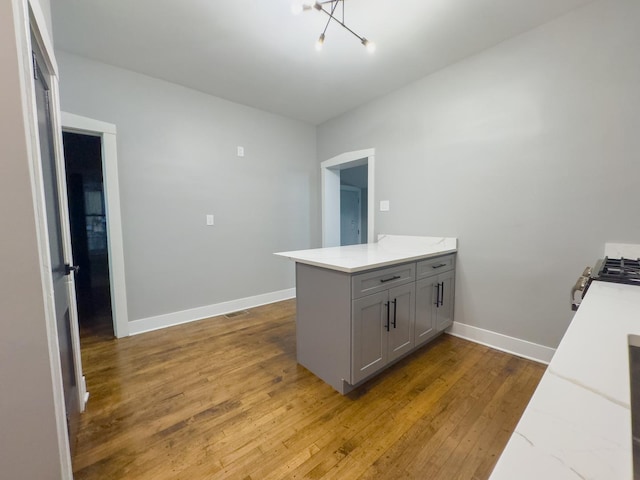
x,y
177,162
527,152
28,439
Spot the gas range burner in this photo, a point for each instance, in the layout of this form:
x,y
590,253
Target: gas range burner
x,y
618,270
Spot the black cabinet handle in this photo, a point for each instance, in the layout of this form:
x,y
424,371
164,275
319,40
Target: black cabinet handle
x,y
437,295
439,266
440,300
395,311
386,304
395,277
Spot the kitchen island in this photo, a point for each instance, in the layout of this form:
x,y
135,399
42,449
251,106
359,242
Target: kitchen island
x,y
578,422
361,308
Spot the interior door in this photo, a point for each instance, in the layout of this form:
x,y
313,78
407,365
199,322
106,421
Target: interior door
x,y
60,271
349,215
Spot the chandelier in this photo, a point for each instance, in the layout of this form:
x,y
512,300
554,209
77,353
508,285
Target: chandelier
x,y
329,7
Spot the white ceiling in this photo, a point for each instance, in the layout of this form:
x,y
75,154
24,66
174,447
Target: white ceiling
x,y
256,52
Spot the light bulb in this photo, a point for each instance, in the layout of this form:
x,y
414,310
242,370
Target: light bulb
x,y
320,42
370,46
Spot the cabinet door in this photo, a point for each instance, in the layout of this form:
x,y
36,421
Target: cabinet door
x,y
402,317
369,335
425,325
445,310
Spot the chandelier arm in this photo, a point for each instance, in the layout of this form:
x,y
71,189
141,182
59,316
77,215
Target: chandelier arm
x,y
335,4
341,23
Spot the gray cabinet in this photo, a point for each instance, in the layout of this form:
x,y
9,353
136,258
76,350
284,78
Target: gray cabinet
x,y
382,329
369,340
351,326
434,297
444,309
402,304
425,323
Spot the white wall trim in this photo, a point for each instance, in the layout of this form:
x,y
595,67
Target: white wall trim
x,y
515,346
193,314
330,191
76,123
349,157
107,133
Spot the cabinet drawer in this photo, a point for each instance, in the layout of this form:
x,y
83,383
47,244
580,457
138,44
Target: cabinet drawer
x,y
378,280
434,266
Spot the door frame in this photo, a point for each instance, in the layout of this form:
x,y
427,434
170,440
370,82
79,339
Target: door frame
x,y
359,192
29,20
330,188
73,123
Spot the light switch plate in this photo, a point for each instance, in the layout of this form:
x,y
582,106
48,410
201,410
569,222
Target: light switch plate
x,y
384,205
240,151
209,219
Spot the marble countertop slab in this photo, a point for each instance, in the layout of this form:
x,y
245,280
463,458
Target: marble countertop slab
x,y
578,422
389,250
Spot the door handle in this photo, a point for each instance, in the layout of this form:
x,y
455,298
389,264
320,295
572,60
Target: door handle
x,y
441,294
395,311
71,268
437,295
386,304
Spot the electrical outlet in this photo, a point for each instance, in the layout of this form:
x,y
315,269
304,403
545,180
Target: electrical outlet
x,y
240,151
209,219
384,205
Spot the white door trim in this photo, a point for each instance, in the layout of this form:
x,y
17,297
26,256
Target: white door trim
x,y
107,133
29,19
330,188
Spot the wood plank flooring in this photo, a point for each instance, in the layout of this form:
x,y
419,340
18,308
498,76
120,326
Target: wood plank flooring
x,y
224,398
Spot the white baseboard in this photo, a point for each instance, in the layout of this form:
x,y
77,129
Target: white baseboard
x,y
176,318
515,346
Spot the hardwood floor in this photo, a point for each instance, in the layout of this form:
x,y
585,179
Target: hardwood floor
x,y
224,398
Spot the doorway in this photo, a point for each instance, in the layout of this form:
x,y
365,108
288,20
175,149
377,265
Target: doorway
x,y
356,170
354,213
350,216
102,218
87,217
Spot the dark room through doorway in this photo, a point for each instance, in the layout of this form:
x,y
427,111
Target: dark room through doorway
x,y
87,215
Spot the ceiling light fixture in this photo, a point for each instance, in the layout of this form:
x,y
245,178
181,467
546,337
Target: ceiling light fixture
x,y
332,6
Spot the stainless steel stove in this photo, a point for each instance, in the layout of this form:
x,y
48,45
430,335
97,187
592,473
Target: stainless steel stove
x,y
617,270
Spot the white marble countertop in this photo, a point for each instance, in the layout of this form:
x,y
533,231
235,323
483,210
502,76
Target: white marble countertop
x,y
578,422
389,250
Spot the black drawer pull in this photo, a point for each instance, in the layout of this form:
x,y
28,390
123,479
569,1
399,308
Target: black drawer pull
x,y
439,266
385,280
